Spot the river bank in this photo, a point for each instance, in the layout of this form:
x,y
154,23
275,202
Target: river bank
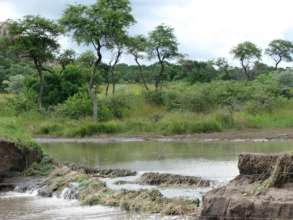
x,y
244,135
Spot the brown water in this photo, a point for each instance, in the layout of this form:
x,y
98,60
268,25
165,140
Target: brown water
x,y
217,162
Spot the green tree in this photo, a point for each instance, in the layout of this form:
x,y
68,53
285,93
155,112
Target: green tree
x,y
163,46
67,57
280,50
247,53
97,25
35,38
137,47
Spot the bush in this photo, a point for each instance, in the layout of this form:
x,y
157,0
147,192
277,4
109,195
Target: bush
x,y
23,102
75,107
79,106
118,105
184,127
155,97
225,118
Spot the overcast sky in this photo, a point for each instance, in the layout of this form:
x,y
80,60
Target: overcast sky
x,y
206,29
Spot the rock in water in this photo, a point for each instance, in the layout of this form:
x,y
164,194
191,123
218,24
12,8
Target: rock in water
x,y
165,179
70,192
263,190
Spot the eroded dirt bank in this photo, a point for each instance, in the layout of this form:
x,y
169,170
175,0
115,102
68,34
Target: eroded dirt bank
x,y
15,158
263,190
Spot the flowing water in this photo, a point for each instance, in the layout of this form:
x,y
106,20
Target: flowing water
x,y
213,161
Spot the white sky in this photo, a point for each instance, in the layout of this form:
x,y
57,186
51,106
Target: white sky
x,y
206,29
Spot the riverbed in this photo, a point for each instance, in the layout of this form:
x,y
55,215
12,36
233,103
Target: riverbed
x,y
211,161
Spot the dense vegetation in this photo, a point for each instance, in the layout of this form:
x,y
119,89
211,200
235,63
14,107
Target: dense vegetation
x,y
49,91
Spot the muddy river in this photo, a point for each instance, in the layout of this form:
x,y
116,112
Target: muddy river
x,y
213,161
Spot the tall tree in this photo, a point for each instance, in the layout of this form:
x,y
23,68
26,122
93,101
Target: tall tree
x,y
137,48
163,46
248,53
35,38
280,50
97,25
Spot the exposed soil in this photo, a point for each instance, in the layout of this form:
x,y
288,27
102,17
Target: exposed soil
x,y
164,179
247,135
263,190
16,159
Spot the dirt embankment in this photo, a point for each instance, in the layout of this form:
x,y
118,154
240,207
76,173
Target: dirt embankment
x,y
16,159
263,190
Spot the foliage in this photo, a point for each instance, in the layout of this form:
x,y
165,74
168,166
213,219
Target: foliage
x,y
247,53
66,58
163,46
35,38
59,86
280,50
99,25
14,84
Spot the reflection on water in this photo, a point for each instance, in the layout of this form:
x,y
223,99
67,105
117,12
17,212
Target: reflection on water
x,y
207,160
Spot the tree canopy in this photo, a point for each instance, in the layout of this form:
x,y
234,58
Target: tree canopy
x,y
35,38
100,25
280,50
163,46
248,53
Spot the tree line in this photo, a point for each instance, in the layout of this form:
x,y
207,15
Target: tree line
x,y
104,27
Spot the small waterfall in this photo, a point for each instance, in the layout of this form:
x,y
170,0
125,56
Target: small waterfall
x,y
70,192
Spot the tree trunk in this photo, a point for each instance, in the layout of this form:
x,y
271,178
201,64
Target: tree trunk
x,y
91,92
277,63
117,58
141,74
108,85
107,88
113,82
159,76
91,87
245,70
41,83
41,89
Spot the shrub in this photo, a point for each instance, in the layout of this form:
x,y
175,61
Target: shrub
x,y
23,102
225,118
155,97
79,106
119,105
75,107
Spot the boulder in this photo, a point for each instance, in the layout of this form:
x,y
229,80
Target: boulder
x,y
263,190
